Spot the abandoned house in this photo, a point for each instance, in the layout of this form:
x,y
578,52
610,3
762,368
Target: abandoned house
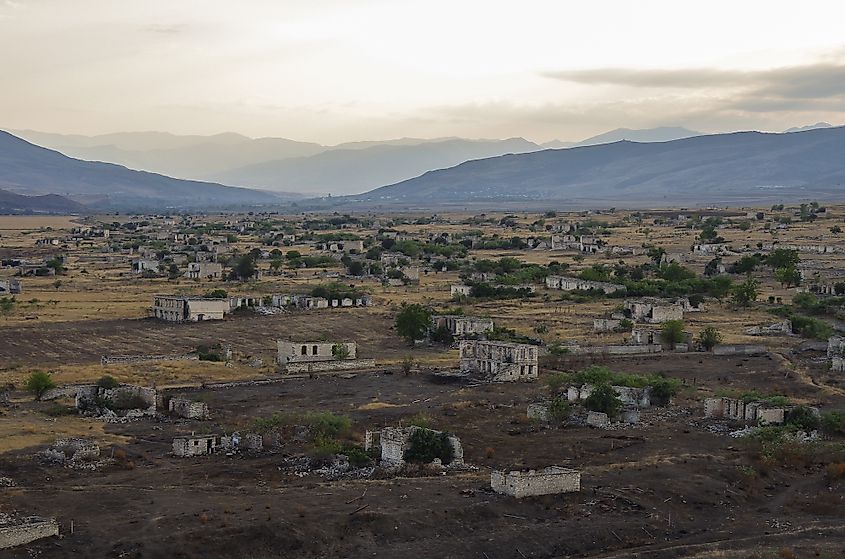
x,y
307,357
142,265
204,270
460,290
549,481
12,286
178,308
188,409
395,442
195,445
459,325
739,410
499,361
15,530
310,352
652,310
566,283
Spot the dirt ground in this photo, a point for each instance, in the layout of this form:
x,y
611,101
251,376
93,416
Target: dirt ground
x,y
667,488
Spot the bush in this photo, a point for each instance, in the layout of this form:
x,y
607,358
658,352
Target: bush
x,y
672,332
559,410
442,335
426,445
39,382
709,338
108,382
216,294
803,418
413,322
833,422
603,399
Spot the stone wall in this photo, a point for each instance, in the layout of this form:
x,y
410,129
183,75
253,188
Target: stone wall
x,y
551,480
189,409
116,359
195,445
21,531
740,349
737,410
395,441
539,412
328,366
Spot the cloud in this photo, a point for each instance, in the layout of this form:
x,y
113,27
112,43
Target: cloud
x,y
826,79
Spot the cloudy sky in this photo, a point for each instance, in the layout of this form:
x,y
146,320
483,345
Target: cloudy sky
x,y
340,70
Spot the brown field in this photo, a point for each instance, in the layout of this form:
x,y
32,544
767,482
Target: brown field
x,y
665,489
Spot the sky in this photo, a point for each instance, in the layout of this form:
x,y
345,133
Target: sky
x,y
331,71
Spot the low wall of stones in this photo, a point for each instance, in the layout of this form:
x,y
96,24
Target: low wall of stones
x,y
326,366
118,359
25,530
551,480
740,349
620,349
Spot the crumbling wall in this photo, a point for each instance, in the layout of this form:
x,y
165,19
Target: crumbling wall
x,y
117,359
189,409
740,349
21,531
551,480
328,366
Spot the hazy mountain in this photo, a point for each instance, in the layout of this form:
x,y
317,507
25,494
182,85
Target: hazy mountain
x,y
741,167
276,163
346,171
28,169
660,134
49,204
189,157
558,144
810,127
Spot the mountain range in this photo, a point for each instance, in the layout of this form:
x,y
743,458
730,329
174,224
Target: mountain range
x,y
736,168
30,170
279,164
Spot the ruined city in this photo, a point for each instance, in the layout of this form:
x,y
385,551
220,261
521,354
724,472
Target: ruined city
x,y
659,383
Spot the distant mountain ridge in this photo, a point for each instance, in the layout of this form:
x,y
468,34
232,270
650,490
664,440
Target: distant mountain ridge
x,y
742,167
11,203
27,169
350,171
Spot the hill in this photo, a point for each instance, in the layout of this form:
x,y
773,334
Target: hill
x,y
27,169
11,203
737,168
346,171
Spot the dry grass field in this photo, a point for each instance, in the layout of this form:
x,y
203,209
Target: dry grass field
x,y
722,501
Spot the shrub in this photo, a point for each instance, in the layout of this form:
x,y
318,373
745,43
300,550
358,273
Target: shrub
x,y
108,382
426,445
833,422
442,335
603,399
413,322
709,338
39,382
559,410
216,294
556,381
802,417
340,351
672,332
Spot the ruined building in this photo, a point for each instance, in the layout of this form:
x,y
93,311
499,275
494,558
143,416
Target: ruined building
x,y
653,310
551,480
459,325
177,308
302,357
499,361
396,441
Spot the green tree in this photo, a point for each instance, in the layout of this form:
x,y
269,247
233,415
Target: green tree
x,y
783,258
745,293
7,305
788,276
340,351
709,338
107,381
603,399
39,382
413,322
672,332
245,267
